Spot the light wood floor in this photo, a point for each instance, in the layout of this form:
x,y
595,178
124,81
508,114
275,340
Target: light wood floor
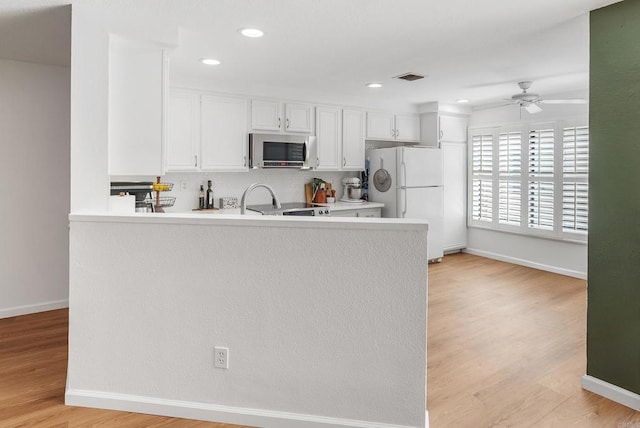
x,y
506,347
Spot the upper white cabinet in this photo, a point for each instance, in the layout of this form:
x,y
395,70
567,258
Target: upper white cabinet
x,y
206,133
390,127
353,146
282,117
439,127
137,83
223,133
329,134
340,135
183,132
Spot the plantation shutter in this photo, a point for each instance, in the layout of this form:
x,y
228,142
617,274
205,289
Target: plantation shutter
x,y
575,173
482,183
541,180
509,184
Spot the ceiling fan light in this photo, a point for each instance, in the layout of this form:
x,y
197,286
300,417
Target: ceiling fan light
x,y
532,108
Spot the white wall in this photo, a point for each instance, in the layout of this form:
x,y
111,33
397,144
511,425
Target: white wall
x,y
34,175
563,257
325,319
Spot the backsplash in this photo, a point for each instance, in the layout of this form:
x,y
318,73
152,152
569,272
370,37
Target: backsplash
x,y
288,185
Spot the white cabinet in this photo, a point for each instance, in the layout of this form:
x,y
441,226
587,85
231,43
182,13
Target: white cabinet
x,y
439,127
282,117
183,132
390,127
353,145
137,80
223,133
362,212
206,133
340,135
454,167
329,134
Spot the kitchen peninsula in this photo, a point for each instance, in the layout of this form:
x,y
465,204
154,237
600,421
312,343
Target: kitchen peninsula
x,y
324,319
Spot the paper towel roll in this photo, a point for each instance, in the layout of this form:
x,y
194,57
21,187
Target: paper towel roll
x,y
122,204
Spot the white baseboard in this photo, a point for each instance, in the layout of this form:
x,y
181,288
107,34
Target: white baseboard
x,y
612,392
527,263
32,309
213,412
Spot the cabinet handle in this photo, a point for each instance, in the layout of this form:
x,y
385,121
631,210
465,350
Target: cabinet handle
x,y
244,160
318,161
287,123
344,161
279,123
397,133
196,159
441,134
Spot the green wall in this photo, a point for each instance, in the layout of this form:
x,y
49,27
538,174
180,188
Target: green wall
x,y
613,314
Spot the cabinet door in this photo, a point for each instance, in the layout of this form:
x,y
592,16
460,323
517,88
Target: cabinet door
x,y
369,212
407,127
344,213
183,140
329,133
353,146
454,166
453,129
224,141
380,126
298,118
136,85
266,116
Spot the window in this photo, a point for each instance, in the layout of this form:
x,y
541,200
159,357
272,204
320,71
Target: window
x,y
530,179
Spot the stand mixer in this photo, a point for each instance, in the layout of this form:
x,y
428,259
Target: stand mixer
x,y
352,190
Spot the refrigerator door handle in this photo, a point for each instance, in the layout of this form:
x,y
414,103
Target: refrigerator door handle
x,y
404,196
404,175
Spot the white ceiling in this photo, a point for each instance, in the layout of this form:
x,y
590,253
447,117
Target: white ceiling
x,y
467,48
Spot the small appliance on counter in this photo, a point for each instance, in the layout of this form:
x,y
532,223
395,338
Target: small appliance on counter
x,y
352,190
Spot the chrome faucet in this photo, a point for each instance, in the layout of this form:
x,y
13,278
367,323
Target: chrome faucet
x,y
245,195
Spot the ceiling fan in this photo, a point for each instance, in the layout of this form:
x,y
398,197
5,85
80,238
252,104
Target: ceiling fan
x,y
530,101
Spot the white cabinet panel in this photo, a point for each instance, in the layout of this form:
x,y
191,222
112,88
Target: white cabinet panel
x,y
454,165
266,115
280,117
407,127
329,134
353,146
298,118
390,127
183,137
363,212
137,75
453,129
380,126
224,140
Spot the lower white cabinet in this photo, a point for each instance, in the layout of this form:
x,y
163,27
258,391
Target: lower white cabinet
x,y
206,133
454,167
363,212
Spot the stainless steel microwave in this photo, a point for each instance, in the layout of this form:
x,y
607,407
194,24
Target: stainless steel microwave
x,y
283,151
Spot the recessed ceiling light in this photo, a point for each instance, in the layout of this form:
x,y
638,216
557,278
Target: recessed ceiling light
x,y
251,32
210,61
462,101
374,85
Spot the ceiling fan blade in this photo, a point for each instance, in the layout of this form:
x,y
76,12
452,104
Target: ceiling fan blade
x,y
532,108
489,106
565,101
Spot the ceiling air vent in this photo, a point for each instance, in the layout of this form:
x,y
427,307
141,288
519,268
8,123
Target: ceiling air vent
x,y
410,77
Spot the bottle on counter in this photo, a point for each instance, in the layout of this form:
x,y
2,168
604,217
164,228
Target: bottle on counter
x,y
201,197
209,195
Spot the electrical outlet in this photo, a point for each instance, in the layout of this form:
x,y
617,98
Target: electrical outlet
x,y
184,185
221,357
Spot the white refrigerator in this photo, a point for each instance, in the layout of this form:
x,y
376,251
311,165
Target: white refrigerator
x,y
408,181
